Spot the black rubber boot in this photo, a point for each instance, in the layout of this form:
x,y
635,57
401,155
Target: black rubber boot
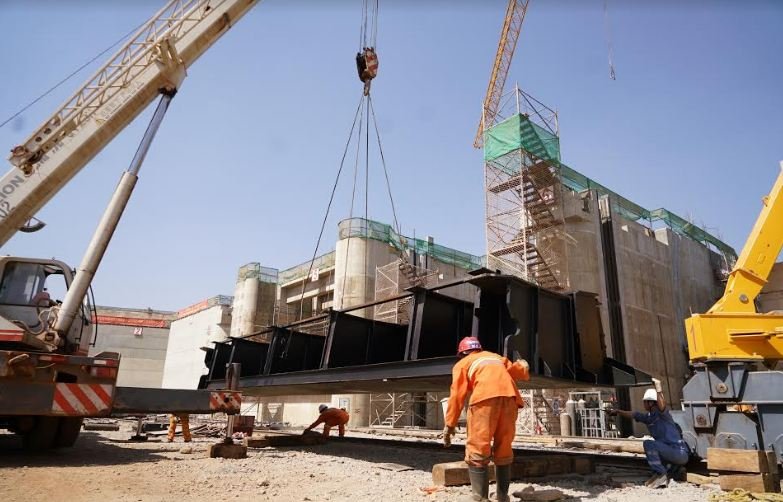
x,y
479,482
503,479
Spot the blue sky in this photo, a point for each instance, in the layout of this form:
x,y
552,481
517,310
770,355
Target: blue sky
x,y
242,166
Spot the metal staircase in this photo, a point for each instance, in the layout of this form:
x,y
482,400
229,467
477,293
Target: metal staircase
x,y
538,188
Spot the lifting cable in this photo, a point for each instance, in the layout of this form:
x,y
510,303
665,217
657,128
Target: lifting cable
x,y
329,205
609,46
367,66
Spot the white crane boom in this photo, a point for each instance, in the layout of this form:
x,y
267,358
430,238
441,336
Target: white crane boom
x,y
155,59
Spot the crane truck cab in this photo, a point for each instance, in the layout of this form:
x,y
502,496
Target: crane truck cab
x,y
31,291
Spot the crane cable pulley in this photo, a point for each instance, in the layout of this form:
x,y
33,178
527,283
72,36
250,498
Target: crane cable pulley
x,y
366,57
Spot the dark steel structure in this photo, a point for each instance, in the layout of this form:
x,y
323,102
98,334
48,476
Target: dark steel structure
x,y
560,335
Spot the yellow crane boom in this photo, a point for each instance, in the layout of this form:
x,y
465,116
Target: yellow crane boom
x,y
512,25
732,329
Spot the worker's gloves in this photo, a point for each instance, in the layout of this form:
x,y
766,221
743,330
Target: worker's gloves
x,y
447,433
657,384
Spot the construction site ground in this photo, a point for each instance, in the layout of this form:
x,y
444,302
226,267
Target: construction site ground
x,y
104,465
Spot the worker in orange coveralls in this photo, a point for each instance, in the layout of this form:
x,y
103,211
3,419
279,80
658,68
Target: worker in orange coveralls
x,y
490,379
330,417
184,422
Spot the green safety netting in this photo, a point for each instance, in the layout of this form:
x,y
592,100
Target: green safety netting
x,y
255,270
519,133
578,182
684,227
359,227
321,262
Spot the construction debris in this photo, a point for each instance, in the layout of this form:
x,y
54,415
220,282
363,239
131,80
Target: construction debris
x,y
530,493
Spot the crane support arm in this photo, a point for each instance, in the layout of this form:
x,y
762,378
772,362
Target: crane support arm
x,y
732,329
154,60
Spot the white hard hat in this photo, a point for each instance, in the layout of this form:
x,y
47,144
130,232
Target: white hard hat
x,y
323,407
650,395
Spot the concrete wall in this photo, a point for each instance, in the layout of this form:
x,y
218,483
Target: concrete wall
x,y
662,278
142,348
585,262
771,297
184,358
303,410
652,342
318,290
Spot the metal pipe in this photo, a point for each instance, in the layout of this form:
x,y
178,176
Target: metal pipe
x,y
108,224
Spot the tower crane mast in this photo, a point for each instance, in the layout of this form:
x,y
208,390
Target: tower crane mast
x,y
509,34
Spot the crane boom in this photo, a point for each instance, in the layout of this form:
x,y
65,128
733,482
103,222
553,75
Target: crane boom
x,y
156,58
732,329
512,25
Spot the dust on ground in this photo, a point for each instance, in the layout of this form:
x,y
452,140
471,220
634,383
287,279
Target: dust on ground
x,y
105,466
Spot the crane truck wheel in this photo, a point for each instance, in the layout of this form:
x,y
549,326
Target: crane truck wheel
x,y
42,435
68,432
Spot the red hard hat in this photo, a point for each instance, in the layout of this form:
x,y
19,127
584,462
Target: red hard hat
x,y
467,344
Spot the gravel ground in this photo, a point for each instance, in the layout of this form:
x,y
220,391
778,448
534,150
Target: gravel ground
x,y
104,466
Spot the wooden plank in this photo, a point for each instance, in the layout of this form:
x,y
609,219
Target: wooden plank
x,y
456,473
754,483
256,442
725,459
772,462
700,479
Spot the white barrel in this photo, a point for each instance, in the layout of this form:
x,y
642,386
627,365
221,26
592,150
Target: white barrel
x,y
565,425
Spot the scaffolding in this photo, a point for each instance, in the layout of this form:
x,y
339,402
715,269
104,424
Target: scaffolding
x,y
403,410
524,185
393,279
524,195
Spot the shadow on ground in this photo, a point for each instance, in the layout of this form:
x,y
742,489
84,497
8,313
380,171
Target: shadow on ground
x,y
90,449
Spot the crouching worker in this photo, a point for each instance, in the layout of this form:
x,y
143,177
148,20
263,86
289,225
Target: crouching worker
x,y
330,417
666,452
490,379
184,422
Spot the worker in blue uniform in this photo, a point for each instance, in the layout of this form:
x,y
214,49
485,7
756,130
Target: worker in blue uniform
x,y
666,452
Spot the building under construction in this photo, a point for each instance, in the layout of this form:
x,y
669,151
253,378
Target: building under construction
x,y
547,223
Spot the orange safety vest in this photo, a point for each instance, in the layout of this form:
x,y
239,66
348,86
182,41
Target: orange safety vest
x,y
332,417
484,375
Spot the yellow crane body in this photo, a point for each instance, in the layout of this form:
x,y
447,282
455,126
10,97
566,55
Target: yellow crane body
x,y
732,329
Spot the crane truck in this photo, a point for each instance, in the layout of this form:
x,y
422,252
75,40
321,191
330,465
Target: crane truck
x,y
734,399
48,382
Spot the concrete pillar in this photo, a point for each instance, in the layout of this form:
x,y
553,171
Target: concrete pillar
x,y
254,299
357,405
356,259
351,278
247,308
